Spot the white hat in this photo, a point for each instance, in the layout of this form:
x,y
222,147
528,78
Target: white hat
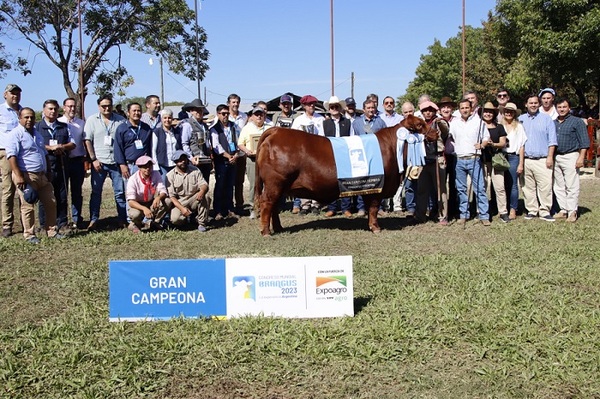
x,y
334,100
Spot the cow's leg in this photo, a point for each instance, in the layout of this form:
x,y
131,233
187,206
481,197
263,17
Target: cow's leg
x,y
373,204
266,208
277,228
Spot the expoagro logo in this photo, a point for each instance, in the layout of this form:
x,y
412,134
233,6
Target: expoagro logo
x,y
244,287
331,285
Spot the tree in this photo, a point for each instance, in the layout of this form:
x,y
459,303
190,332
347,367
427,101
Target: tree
x,y
164,28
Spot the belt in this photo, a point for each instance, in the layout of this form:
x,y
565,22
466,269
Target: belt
x,y
565,153
77,158
534,158
511,153
2,149
468,157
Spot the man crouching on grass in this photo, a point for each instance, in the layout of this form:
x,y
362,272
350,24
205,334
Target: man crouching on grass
x,y
146,194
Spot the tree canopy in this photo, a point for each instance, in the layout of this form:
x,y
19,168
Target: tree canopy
x,y
523,46
164,28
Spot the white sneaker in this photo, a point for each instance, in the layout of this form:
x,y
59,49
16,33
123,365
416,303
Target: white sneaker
x,y
252,215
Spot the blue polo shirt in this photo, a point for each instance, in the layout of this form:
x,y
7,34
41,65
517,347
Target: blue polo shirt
x,y
29,149
126,136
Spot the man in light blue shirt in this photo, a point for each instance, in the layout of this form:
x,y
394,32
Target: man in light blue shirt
x,y
389,114
29,163
9,119
539,160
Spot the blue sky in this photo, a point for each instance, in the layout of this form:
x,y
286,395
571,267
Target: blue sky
x,y
264,48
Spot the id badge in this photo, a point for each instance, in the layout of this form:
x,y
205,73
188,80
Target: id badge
x,y
139,145
53,142
231,147
108,141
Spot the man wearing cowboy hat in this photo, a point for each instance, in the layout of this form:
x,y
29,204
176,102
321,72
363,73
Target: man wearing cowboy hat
x,y
337,126
389,115
194,137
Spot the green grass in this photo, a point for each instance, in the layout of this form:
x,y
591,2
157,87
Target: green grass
x,y
509,311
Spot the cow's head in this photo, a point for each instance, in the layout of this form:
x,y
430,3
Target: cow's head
x,y
415,124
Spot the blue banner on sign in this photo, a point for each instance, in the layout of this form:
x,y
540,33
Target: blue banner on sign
x,y
163,289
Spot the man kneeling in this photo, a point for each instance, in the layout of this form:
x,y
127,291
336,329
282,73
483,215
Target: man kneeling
x,y
146,194
187,190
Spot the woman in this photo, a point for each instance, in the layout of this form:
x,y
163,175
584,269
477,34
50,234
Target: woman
x,y
515,153
166,139
497,142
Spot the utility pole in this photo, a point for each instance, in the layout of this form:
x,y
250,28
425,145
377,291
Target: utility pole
x,y
352,84
162,85
332,52
197,49
464,50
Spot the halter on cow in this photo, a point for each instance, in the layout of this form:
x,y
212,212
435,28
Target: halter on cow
x,y
291,162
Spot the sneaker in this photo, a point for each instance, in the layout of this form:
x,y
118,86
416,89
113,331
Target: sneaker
x,y
443,222
316,211
547,218
504,217
530,216
381,213
219,217
572,217
561,215
232,215
361,212
201,229
252,215
330,214
6,232
347,214
92,226
58,236
33,240
133,228
462,222
486,222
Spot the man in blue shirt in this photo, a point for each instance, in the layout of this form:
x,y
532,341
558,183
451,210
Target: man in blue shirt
x,y
132,140
9,119
539,160
369,122
29,163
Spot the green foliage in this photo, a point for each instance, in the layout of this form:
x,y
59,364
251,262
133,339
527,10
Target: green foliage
x,y
164,28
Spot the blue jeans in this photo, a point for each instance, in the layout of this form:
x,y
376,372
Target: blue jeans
x,y
118,184
346,203
76,178
471,167
224,182
512,181
410,194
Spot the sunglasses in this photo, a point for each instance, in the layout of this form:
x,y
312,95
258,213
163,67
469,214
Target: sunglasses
x,y
502,95
224,113
389,103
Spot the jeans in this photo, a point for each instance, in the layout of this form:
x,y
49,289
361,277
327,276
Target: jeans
x,y
114,172
410,195
225,174
76,178
512,181
471,167
60,185
346,204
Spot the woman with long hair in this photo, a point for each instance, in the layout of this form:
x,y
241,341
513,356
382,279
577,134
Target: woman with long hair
x,y
515,152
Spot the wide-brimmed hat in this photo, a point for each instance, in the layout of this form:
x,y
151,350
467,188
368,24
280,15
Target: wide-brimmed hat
x,y
334,100
428,104
308,99
488,106
512,107
197,103
144,160
446,101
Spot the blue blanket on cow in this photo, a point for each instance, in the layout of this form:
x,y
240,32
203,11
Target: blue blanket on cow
x,y
359,164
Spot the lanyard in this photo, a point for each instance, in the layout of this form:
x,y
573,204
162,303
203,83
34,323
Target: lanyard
x,y
137,133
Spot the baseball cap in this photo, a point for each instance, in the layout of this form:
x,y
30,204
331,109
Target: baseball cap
x,y
286,98
178,154
547,90
350,101
12,87
29,194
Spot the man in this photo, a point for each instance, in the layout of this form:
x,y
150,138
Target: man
x,y
503,98
247,143
474,100
422,98
76,172
539,160
58,143
195,139
152,115
547,98
9,119
239,119
132,140
351,112
572,145
30,165
409,187
337,126
389,115
310,121
146,194
286,116
187,191
99,136
470,136
375,98
447,106
369,122
407,108
224,137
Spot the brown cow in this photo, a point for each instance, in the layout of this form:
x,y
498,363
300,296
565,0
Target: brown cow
x,y
302,165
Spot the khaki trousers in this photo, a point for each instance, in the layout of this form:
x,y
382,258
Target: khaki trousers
x,y
494,178
566,181
200,207
40,183
8,192
537,187
137,216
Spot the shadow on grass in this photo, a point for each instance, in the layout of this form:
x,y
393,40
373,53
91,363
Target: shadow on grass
x,y
360,303
390,222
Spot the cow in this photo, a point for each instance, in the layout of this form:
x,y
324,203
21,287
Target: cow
x,y
302,165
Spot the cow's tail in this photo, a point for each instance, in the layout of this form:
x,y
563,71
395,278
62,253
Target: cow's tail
x,y
258,185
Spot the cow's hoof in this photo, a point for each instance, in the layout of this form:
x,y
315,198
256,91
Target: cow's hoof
x,y
376,230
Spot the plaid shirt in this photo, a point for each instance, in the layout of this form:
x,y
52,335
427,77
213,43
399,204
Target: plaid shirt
x,y
571,135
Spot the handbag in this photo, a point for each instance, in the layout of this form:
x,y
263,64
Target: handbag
x,y
499,162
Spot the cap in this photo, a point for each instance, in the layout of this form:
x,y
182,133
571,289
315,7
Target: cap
x,y
286,98
12,87
178,154
547,90
350,101
428,104
29,194
308,99
143,160
258,109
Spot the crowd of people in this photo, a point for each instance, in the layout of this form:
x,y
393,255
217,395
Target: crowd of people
x,y
160,164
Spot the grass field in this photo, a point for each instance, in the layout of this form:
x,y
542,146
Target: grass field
x,y
508,311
